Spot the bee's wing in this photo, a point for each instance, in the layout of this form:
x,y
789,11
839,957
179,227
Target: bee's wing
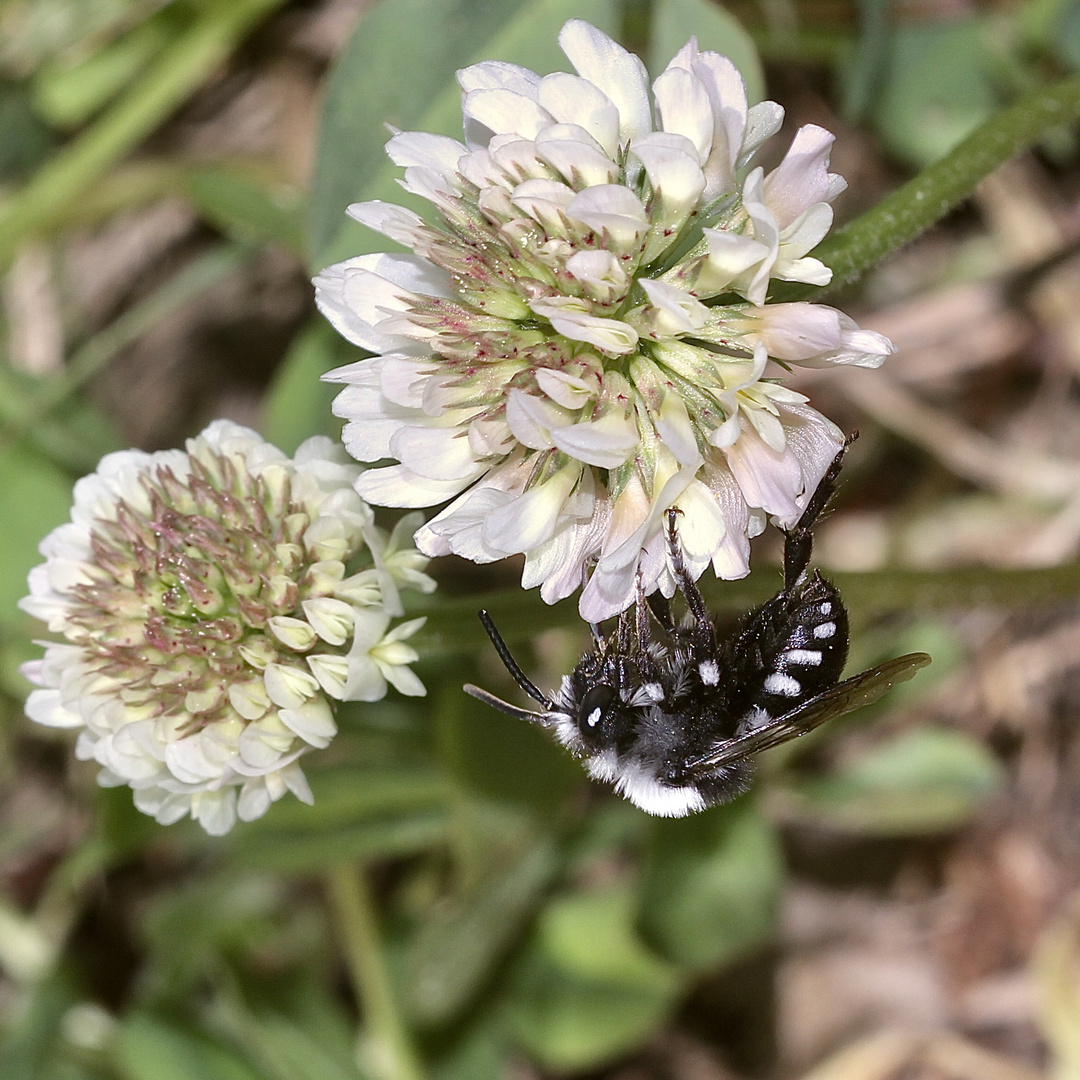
x,y
845,697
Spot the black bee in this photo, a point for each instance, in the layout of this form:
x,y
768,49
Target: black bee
x,y
674,726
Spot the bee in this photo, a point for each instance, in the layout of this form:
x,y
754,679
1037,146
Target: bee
x,y
675,722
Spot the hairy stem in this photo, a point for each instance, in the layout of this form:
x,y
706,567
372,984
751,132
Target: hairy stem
x,y
913,208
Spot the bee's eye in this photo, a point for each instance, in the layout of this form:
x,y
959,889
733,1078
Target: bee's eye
x,y
594,704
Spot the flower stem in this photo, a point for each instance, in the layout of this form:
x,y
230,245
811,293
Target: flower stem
x,y
391,1051
913,208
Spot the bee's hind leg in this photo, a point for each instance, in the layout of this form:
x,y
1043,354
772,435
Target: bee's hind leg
x,y
694,600
799,541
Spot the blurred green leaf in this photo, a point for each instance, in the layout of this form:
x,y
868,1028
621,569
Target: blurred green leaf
x,y
591,935
35,497
479,1052
868,63
297,405
190,930
937,90
29,1044
283,1049
67,94
248,207
389,836
589,990
499,758
355,793
922,781
711,885
149,1048
358,813
456,948
674,22
1064,39
25,142
430,39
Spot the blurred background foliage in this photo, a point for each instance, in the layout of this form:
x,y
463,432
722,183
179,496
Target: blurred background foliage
x,y
896,898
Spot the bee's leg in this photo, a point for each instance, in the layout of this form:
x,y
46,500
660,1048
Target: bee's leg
x,y
624,648
661,609
799,542
598,638
694,600
646,661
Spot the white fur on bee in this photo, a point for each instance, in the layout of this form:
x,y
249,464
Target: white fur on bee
x,y
784,685
757,717
634,780
709,671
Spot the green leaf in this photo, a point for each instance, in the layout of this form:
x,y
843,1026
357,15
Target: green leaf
x,y
922,781
1064,41
674,22
429,40
938,88
358,813
190,929
25,141
455,951
151,1049
35,497
868,63
591,935
297,405
391,836
711,885
589,991
501,759
477,1053
249,207
284,1049
31,1036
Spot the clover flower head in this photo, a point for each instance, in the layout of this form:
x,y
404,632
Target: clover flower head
x,y
212,604
580,336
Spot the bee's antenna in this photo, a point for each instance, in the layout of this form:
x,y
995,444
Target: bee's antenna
x,y
512,666
505,706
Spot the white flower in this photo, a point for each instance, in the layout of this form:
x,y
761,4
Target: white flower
x,y
579,339
209,613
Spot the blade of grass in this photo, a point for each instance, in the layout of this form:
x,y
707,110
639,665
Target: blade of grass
x,y
452,625
20,418
75,169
